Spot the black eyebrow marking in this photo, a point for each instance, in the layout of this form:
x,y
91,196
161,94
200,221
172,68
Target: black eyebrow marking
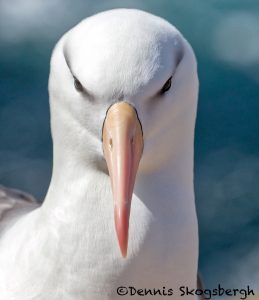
x,y
159,92
84,91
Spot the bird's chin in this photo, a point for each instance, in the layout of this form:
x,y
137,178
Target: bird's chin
x,y
100,165
148,165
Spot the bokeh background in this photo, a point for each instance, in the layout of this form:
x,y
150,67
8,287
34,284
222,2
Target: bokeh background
x,y
225,38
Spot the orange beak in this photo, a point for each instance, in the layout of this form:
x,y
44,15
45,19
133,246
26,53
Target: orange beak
x,y
122,146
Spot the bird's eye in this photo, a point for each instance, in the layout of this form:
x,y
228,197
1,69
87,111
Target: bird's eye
x,y
166,86
78,85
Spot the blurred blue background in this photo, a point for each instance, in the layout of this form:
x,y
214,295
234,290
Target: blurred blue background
x,y
225,38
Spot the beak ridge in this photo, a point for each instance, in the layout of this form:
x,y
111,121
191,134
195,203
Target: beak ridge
x,y
122,146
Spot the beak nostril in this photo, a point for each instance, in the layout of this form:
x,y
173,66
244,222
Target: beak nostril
x,y
110,143
132,140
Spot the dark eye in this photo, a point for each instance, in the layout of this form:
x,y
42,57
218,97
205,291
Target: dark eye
x,y
166,86
78,85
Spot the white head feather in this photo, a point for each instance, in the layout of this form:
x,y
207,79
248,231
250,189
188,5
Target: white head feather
x,y
123,55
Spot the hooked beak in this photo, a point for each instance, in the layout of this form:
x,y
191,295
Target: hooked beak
x,y
123,147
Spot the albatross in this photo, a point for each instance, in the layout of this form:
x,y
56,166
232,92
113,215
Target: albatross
x,y
119,216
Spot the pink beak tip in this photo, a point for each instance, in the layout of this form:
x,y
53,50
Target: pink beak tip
x,y
123,248
122,226
124,252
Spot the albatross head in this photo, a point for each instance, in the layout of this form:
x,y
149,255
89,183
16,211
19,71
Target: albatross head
x,y
123,90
